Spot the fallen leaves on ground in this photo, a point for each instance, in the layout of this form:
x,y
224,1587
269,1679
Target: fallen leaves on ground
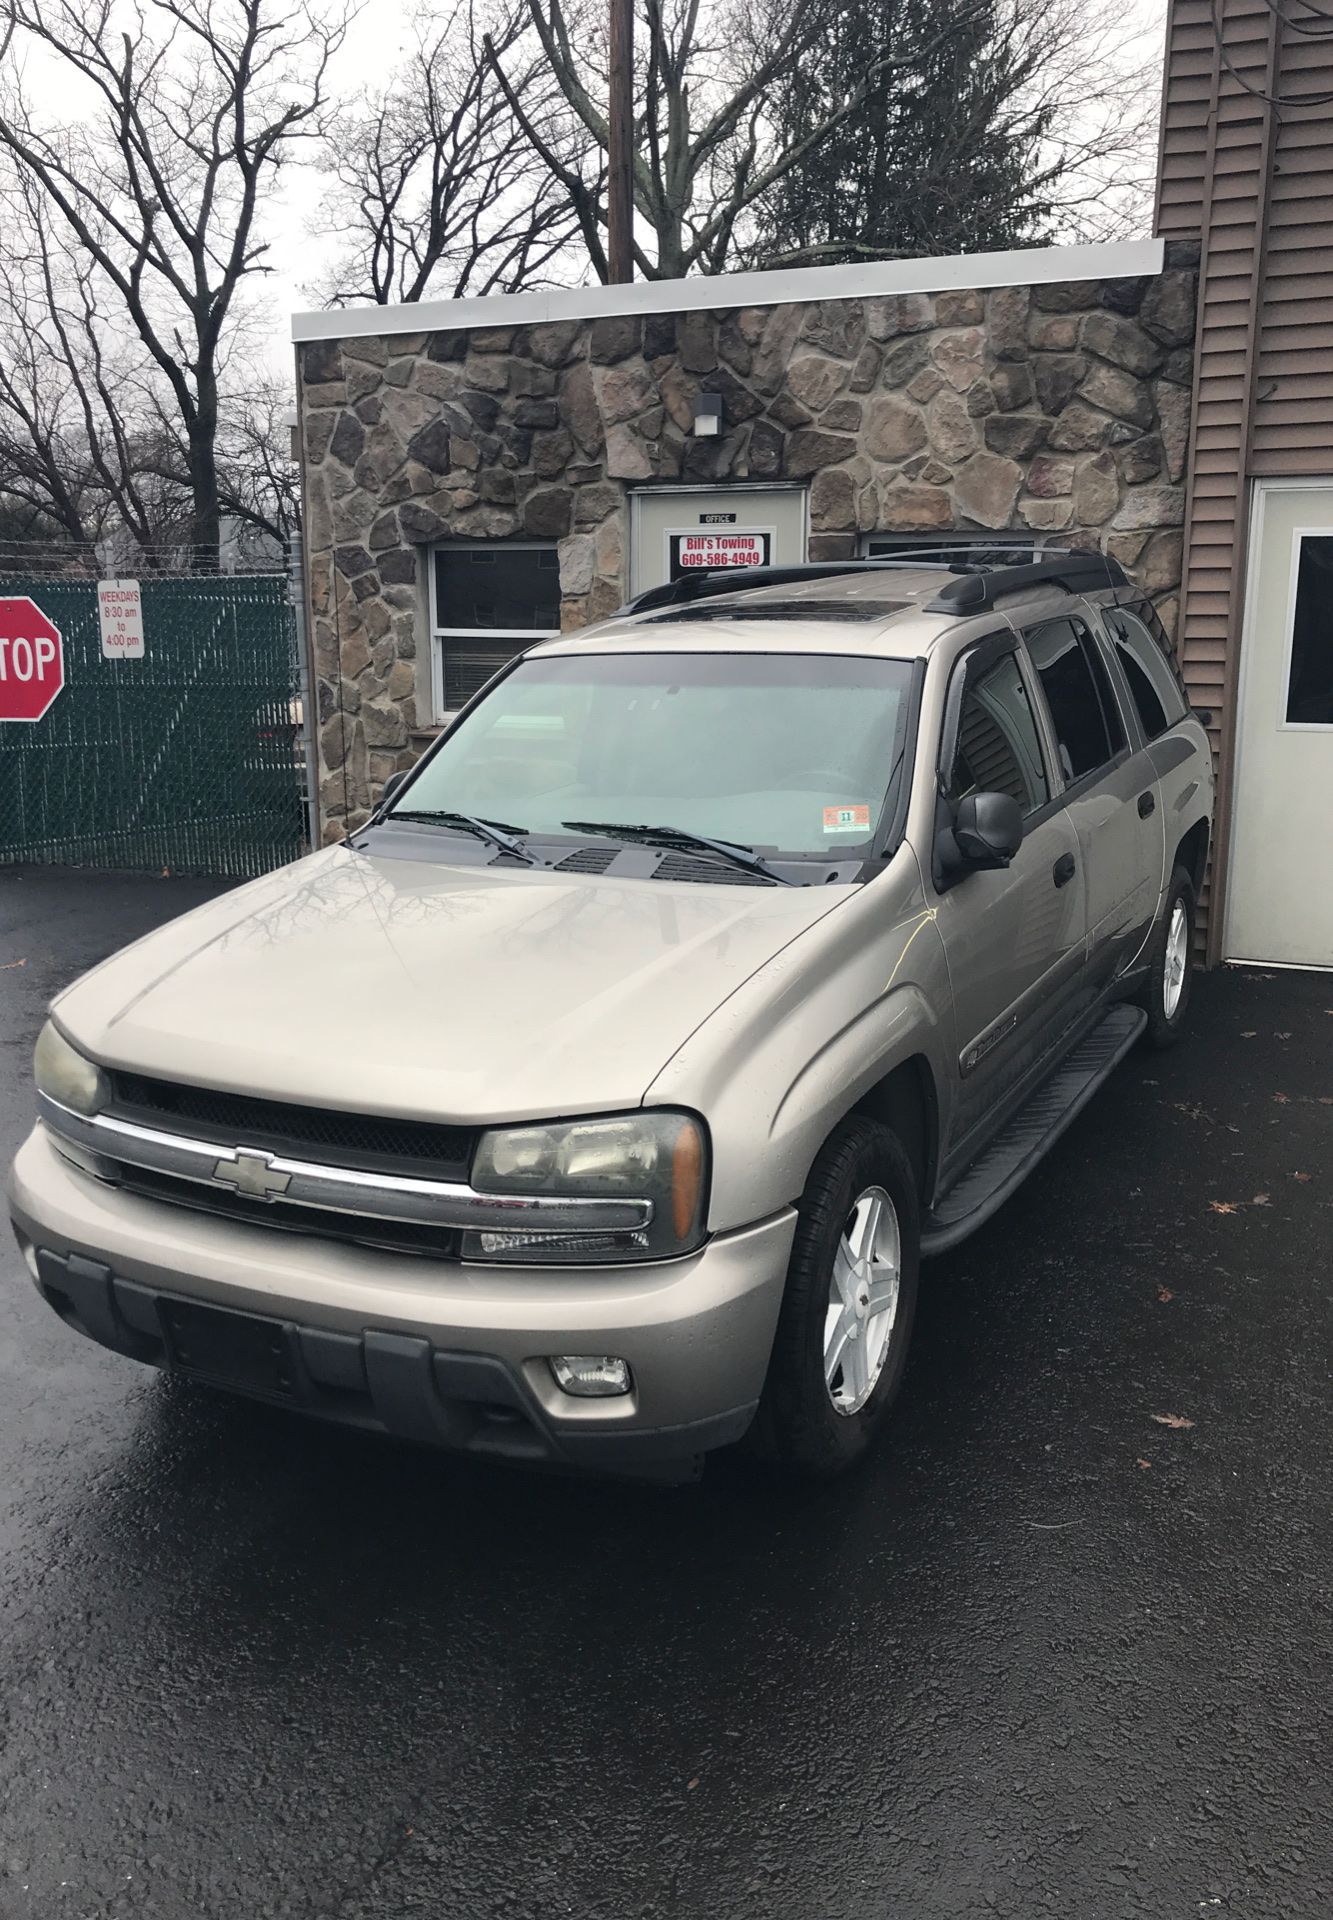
x,y
1282,1099
1300,1176
690,1785
1282,1036
9,965
1224,1206
1164,1294
1171,1420
1260,1200
1143,1463
1253,1034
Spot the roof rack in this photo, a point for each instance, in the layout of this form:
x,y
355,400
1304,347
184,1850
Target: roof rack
x,y
979,588
975,587
706,583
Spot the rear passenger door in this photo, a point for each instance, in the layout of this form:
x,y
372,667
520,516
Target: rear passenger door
x,y
1110,792
1014,938
1140,652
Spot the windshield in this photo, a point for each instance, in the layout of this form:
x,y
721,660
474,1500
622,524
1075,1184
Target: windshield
x,y
789,753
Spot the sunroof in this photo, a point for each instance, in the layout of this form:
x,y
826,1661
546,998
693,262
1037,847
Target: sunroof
x,y
854,612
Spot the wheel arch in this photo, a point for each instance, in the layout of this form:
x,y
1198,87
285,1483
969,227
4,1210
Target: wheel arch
x,y
907,1101
1192,854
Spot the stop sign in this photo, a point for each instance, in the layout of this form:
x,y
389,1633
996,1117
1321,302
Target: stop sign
x,y
32,661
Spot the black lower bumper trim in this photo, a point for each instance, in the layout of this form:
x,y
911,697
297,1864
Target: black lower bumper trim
x,y
390,1382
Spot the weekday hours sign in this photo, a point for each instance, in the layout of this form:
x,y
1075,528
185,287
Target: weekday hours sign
x,y
718,547
120,611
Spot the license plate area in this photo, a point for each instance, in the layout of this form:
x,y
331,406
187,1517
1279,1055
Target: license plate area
x,y
236,1349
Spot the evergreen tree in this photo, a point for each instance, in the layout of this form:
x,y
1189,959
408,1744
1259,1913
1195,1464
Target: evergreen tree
x,y
939,158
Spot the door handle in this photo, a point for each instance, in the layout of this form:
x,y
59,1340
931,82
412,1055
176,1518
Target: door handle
x,y
1063,870
1147,805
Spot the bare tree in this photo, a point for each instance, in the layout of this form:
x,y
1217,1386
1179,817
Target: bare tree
x,y
68,393
192,106
436,192
1095,83
259,475
705,142
749,112
92,447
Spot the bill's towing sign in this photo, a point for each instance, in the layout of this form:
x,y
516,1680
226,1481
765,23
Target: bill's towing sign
x,y
732,547
32,661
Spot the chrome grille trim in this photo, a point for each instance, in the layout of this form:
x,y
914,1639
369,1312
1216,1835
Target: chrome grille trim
x,y
377,1196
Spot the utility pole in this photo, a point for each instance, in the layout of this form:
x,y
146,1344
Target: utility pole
x,y
620,146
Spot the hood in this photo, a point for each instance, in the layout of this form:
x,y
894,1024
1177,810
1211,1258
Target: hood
x,y
407,987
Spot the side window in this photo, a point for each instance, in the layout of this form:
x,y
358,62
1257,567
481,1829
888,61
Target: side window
x,y
1087,722
998,748
1147,671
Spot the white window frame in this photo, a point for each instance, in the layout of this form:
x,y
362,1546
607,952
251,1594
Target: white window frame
x,y
441,633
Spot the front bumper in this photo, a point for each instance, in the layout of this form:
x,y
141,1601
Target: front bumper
x,y
425,1349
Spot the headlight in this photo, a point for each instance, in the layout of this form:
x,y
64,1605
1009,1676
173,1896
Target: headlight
x,y
659,1157
63,1074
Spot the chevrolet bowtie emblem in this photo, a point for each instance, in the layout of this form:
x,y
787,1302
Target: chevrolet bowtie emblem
x,y
253,1174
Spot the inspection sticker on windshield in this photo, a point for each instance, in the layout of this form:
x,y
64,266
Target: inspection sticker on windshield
x,y
846,819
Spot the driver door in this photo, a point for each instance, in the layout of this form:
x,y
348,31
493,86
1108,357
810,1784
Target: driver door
x,y
1014,939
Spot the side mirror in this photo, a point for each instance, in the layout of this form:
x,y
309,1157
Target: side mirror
x,y
392,787
988,829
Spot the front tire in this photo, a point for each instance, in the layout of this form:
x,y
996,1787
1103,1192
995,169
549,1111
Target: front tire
x,y
846,1318
1166,994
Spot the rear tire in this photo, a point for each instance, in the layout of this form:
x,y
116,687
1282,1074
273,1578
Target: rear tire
x,y
846,1318
1166,994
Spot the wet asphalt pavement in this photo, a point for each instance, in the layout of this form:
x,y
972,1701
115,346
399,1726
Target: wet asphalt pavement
x,y
1045,1656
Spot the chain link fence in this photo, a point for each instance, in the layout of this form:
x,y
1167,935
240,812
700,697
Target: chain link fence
x,y
188,760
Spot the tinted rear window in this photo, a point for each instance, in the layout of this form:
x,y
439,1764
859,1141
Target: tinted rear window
x,y
1152,685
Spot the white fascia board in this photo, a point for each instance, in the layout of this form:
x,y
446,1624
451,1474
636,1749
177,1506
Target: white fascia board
x,y
1020,267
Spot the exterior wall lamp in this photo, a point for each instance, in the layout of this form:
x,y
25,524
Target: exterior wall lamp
x,y
707,415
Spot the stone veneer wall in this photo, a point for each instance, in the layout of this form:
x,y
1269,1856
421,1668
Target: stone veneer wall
x,y
1062,407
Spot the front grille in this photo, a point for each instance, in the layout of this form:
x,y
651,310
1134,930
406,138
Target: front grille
x,y
401,1236
326,1135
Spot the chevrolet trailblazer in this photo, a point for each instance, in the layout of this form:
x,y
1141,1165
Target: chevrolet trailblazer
x,y
595,1101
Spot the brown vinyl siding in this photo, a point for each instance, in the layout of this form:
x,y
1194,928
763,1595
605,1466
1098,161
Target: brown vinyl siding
x,y
1292,431
1216,141
1253,182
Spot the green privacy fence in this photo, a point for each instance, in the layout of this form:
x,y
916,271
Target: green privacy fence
x,y
189,759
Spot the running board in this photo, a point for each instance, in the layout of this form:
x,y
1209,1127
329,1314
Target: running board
x,y
1030,1133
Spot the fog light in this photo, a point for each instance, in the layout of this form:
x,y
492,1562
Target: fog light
x,y
591,1376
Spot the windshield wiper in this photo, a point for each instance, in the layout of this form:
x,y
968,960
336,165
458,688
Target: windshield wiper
x,y
682,837
492,830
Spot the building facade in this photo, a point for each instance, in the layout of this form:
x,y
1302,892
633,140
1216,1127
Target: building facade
x,y
478,474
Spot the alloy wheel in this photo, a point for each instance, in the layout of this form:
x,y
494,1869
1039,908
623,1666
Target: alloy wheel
x,y
863,1301
1177,959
